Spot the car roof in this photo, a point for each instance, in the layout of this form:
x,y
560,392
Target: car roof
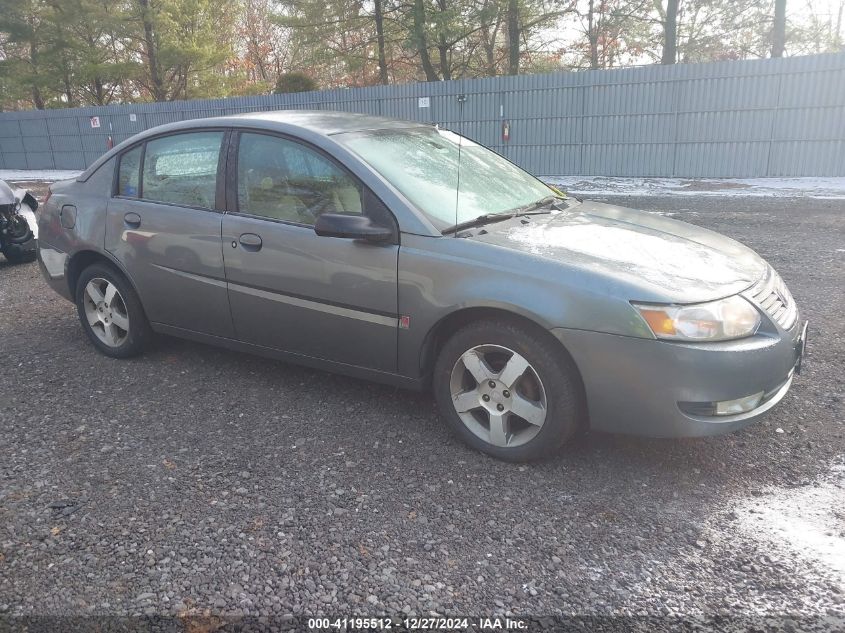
x,y
320,122
326,121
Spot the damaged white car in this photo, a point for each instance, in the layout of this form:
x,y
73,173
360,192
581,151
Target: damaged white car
x,y
18,225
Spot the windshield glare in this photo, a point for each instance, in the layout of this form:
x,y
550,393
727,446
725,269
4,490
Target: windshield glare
x,y
422,163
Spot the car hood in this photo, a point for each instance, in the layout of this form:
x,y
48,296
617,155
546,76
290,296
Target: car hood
x,y
653,257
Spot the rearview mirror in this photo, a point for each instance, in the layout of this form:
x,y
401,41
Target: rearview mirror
x,y
354,227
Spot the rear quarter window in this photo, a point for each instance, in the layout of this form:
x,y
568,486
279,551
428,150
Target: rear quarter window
x,y
129,173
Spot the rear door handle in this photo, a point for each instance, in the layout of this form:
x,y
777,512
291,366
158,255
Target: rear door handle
x,y
250,241
133,220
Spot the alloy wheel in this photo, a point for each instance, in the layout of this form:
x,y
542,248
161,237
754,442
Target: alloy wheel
x,y
498,395
106,312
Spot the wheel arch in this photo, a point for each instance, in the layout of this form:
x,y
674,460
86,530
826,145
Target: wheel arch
x,y
455,320
81,260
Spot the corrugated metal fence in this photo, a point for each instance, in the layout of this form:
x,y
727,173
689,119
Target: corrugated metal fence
x,y
777,117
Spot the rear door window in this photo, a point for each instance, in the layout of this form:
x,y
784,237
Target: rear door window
x,y
182,169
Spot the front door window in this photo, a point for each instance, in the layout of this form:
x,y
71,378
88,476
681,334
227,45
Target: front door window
x,y
285,180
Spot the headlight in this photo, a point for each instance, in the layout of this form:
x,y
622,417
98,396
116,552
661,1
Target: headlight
x,y
721,320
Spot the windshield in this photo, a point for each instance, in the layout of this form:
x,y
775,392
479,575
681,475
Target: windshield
x,y
422,163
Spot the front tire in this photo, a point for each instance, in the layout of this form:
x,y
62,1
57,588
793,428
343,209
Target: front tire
x,y
110,312
505,391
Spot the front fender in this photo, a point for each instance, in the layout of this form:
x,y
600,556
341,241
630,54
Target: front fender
x,y
438,277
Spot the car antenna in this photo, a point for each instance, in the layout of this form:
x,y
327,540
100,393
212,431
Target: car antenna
x,y
461,100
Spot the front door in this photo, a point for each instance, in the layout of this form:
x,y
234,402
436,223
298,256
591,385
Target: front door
x,y
164,226
290,289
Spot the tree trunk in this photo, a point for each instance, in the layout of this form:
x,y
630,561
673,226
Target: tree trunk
x,y
259,60
421,42
443,47
488,45
99,91
37,97
779,29
151,50
68,88
670,33
489,53
593,36
382,59
443,50
513,37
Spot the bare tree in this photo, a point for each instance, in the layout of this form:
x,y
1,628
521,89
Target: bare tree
x,y
779,29
265,45
524,19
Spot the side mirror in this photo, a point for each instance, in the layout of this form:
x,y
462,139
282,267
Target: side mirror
x,y
355,227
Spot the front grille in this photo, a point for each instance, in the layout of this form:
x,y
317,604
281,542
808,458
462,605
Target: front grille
x,y
771,294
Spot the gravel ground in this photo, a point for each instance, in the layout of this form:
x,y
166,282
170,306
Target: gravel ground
x,y
196,479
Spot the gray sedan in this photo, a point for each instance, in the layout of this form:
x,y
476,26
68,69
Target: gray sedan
x,y
399,252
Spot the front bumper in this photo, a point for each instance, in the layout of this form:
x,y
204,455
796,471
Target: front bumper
x,y
635,385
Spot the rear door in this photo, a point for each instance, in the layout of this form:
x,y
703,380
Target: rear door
x,y
289,288
164,225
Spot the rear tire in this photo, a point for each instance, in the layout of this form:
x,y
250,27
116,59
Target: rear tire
x,y
505,391
110,312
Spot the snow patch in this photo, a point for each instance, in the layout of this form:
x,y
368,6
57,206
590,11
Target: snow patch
x,y
49,175
808,521
817,188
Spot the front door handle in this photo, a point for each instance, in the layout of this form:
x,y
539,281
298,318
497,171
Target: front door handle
x,y
133,220
250,241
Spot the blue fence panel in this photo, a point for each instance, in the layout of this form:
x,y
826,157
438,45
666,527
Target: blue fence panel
x,y
776,117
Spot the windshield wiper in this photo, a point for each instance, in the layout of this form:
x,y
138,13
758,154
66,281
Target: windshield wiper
x,y
534,207
487,218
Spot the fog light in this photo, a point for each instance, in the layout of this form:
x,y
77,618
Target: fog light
x,y
740,405
726,407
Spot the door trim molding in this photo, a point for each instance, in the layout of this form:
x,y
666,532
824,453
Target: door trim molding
x,y
320,306
336,310
201,278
